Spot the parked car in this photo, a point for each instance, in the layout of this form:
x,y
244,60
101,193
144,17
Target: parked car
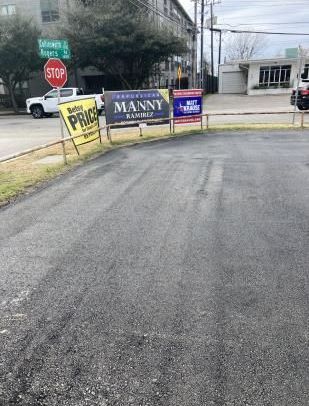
x,y
47,105
302,101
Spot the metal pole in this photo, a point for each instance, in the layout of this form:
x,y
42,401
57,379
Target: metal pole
x,y
194,48
220,46
219,59
298,81
202,44
62,130
212,46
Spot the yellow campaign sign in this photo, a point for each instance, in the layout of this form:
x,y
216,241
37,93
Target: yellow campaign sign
x,y
81,118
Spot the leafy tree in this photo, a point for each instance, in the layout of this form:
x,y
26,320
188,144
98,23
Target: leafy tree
x,y
244,46
18,53
119,38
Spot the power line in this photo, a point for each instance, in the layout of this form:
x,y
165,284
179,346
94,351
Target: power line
x,y
158,12
262,32
259,23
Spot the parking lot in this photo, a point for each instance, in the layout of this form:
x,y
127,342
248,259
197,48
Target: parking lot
x,y
18,133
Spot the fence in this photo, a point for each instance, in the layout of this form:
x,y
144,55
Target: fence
x,y
171,123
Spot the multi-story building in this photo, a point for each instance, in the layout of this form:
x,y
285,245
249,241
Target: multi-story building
x,y
168,14
45,13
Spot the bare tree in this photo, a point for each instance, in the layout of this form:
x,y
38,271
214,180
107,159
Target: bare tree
x,y
244,46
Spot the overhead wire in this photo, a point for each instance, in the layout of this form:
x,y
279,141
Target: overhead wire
x,y
153,9
262,32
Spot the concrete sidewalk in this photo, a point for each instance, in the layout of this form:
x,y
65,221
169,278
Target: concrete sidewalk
x,y
222,103
5,113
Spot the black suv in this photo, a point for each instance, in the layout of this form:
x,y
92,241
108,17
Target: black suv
x,y
303,96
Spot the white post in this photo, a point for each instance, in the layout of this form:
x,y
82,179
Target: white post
x,y
62,130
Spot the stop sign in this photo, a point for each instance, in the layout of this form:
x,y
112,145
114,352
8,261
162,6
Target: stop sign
x,y
55,72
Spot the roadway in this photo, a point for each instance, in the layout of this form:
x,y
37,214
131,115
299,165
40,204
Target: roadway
x,y
171,273
18,133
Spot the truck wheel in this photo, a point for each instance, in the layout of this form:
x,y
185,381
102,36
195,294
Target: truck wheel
x,y
300,107
37,111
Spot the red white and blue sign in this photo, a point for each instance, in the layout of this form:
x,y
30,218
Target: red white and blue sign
x,y
187,104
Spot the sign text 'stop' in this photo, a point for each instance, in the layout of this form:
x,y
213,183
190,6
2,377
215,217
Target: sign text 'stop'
x,y
55,73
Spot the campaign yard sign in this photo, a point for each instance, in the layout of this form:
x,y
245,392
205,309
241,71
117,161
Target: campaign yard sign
x,y
136,105
81,118
187,104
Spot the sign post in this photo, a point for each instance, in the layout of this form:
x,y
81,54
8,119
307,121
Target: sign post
x,y
56,75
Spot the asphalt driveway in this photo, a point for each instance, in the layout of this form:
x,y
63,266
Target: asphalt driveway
x,y
172,273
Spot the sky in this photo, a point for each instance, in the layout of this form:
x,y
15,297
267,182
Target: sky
x,y
262,15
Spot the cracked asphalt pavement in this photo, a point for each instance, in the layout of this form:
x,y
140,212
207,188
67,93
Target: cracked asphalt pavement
x,y
173,273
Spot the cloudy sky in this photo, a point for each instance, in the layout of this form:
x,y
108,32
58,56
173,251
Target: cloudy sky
x,y
263,15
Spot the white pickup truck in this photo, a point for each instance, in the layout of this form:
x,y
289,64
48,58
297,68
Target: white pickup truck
x,y
47,105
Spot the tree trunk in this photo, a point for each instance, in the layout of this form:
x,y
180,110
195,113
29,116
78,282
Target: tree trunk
x,y
12,95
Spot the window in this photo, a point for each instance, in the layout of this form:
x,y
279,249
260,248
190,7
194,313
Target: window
x,y
275,75
49,10
52,94
8,10
66,92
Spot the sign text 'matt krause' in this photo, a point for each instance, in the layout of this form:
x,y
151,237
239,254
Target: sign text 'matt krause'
x,y
136,105
81,118
188,106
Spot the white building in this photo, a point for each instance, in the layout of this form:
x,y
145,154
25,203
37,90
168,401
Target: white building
x,y
259,77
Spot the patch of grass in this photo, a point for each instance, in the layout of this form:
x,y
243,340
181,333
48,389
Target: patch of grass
x,y
20,175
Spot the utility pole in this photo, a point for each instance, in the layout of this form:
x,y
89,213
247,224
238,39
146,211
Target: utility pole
x,y
194,48
212,46
300,68
211,3
220,47
202,43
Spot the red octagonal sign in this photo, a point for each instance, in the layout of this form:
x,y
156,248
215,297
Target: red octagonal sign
x,y
55,72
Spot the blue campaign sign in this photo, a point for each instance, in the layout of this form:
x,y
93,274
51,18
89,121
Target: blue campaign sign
x,y
136,105
187,106
187,103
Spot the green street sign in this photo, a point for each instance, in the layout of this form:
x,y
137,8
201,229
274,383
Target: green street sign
x,y
54,48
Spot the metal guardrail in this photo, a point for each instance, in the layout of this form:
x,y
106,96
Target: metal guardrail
x,y
170,120
44,146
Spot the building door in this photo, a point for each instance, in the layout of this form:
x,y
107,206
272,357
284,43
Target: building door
x,y
234,82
